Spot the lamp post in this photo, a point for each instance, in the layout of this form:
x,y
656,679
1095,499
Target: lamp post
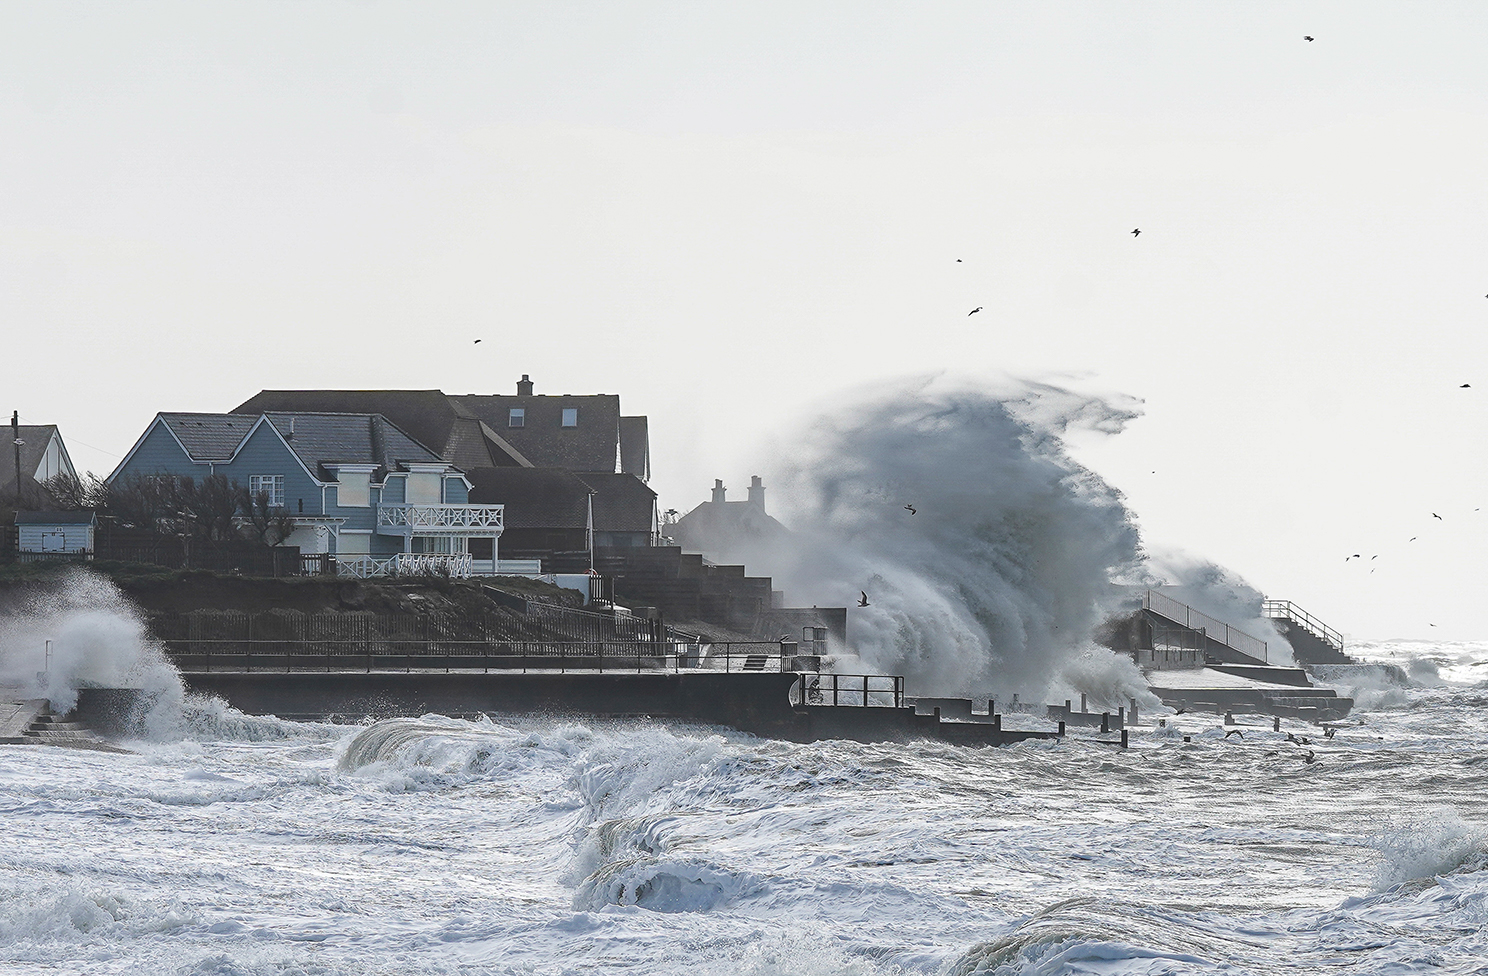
x,y
15,433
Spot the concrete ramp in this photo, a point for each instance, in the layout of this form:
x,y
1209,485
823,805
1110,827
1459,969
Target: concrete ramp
x,y
17,717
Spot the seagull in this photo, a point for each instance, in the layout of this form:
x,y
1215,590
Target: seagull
x,y
1309,758
958,260
1234,732
477,342
910,509
1414,538
1437,517
1373,558
1465,386
1307,37
1137,232
1329,733
863,602
974,311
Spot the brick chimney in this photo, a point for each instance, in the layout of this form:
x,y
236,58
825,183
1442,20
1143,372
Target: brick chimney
x,y
718,489
757,493
524,385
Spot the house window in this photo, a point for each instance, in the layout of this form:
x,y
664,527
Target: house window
x,y
516,417
353,489
268,484
570,416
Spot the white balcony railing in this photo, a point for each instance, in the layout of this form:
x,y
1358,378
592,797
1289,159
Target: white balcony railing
x,y
476,520
456,565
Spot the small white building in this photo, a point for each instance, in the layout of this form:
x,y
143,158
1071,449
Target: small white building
x,y
56,532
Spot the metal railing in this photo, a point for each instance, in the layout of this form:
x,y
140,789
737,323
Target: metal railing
x,y
1217,630
456,565
420,654
860,690
1286,609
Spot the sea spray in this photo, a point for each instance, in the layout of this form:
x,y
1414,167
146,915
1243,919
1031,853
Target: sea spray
x,y
97,639
1014,552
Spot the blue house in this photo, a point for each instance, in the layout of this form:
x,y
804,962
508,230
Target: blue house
x,y
355,485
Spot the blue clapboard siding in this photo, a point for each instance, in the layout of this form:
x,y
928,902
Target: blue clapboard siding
x,y
265,453
456,492
159,453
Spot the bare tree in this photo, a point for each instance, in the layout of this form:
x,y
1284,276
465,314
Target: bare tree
x,y
271,523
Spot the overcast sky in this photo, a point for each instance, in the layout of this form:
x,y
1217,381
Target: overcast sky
x,y
729,213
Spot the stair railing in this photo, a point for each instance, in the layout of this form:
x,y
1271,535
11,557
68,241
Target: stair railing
x,y
1288,610
1216,630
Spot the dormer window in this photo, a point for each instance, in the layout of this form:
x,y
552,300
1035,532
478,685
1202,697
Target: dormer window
x,y
570,416
516,417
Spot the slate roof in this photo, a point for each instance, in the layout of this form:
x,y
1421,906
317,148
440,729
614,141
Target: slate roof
x,y
37,437
428,416
318,439
321,439
209,436
80,517
591,446
535,498
622,502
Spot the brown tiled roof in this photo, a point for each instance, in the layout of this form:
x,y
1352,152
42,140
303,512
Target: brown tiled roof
x,y
635,447
428,416
593,445
535,498
622,502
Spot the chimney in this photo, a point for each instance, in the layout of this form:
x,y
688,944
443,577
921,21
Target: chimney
x,y
757,493
718,489
524,386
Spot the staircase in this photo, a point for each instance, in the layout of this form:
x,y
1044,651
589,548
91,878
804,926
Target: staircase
x,y
32,722
1313,642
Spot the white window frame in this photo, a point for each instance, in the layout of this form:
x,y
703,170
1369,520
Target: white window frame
x,y
570,414
271,484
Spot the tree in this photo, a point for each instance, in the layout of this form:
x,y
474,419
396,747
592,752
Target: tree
x,y
72,494
271,523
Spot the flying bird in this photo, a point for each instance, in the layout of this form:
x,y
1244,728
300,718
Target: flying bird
x,y
910,509
1309,758
1234,732
477,342
974,311
1437,517
958,260
1329,733
1307,37
863,600
1414,538
1136,232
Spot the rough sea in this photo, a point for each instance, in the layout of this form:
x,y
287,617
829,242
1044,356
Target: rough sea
x,y
228,844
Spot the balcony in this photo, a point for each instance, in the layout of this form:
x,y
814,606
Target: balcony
x,y
479,521
455,565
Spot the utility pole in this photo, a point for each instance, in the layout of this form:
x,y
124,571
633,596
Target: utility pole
x,y
15,433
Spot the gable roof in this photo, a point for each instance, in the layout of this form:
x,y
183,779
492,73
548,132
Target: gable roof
x,y
593,445
320,440
36,437
208,436
429,417
317,440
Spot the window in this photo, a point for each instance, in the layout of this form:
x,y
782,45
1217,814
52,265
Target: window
x,y
570,416
353,489
268,484
516,417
